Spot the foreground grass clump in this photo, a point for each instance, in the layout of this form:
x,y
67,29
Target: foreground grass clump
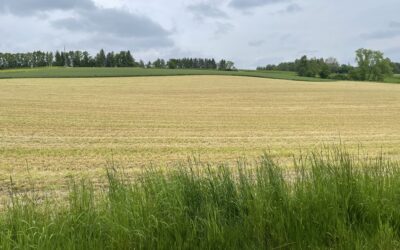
x,y
329,201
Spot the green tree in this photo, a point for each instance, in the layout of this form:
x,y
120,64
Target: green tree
x,y
222,65
372,65
129,60
230,65
332,64
85,59
172,64
101,59
302,66
325,71
59,61
396,68
49,58
110,60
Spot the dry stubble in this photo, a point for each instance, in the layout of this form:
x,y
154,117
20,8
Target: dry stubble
x,y
51,129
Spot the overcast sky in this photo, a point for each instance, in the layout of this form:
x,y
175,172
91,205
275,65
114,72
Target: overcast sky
x,y
248,32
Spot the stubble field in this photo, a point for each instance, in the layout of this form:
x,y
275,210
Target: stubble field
x,y
54,129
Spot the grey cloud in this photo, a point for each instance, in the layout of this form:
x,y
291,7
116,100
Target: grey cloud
x,y
92,21
384,34
29,7
222,28
121,43
203,10
245,4
112,21
394,24
106,23
393,31
256,43
307,52
292,8
394,53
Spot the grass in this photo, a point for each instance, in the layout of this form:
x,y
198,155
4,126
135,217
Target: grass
x,y
52,129
61,72
332,200
393,79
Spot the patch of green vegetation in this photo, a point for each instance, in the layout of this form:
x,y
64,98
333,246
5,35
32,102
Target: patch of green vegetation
x,y
61,72
329,201
393,79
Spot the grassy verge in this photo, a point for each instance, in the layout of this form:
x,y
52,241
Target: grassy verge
x,y
330,200
61,72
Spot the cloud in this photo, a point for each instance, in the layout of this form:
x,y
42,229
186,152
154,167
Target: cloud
x,y
121,43
392,32
112,21
394,53
256,43
98,25
311,53
222,28
113,25
203,10
245,4
290,9
383,34
30,7
293,8
394,24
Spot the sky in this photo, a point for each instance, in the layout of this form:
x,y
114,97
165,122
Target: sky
x,y
249,32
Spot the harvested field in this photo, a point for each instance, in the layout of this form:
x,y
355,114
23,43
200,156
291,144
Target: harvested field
x,y
51,129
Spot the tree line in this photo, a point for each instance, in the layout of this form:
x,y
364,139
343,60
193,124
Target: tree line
x,y
103,59
67,59
192,63
371,66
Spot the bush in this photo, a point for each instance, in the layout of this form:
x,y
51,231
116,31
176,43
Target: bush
x,y
328,201
340,77
324,71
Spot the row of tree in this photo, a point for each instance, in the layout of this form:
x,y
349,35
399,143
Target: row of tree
x,y
24,60
103,59
186,63
312,67
68,59
84,59
192,63
371,66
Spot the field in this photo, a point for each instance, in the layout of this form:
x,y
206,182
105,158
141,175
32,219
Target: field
x,y
174,162
61,72
54,129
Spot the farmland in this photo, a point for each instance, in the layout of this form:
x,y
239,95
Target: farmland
x,y
62,72
153,162
54,129
258,124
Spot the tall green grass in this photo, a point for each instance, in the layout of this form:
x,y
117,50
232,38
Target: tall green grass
x,y
330,200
